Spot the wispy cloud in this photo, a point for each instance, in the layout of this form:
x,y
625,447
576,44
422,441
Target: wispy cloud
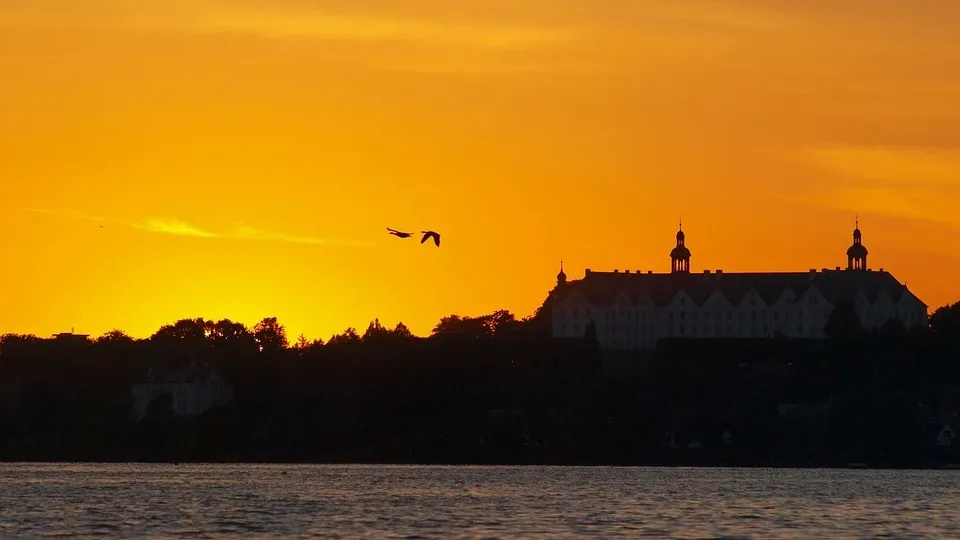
x,y
282,21
72,214
917,183
315,24
891,164
177,227
252,233
172,226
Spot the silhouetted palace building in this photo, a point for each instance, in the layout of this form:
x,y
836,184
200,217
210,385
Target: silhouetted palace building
x,y
633,310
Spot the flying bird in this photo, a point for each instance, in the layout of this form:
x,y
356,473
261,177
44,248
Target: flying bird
x,y
399,234
431,234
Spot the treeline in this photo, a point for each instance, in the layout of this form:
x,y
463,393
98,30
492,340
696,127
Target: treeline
x,y
490,389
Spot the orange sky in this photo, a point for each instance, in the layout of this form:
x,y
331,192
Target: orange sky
x,y
245,156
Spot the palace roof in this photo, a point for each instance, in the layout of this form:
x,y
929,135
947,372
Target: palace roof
x,y
603,288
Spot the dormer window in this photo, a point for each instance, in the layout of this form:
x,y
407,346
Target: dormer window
x,y
683,301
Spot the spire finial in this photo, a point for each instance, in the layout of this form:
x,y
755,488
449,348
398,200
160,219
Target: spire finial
x,y
681,223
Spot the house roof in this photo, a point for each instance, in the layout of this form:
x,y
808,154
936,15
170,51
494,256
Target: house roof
x,y
603,288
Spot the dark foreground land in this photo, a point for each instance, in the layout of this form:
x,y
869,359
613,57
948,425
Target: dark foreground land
x,y
488,390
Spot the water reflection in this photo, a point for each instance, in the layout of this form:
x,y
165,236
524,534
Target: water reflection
x,y
216,501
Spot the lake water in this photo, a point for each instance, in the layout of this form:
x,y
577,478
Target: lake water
x,y
218,501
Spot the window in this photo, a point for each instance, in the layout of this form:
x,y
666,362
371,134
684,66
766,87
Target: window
x,y
800,313
576,312
693,329
718,315
683,301
765,330
753,301
729,315
694,315
800,328
717,330
683,314
682,328
753,314
776,315
563,328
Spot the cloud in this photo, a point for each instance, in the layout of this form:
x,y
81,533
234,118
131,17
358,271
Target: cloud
x,y
74,214
252,233
177,227
315,24
898,165
44,211
913,182
278,20
173,227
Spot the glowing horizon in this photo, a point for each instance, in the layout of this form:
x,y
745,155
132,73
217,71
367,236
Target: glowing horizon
x,y
244,157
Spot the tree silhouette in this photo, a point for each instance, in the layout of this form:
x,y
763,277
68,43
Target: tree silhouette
x,y
185,330
349,336
502,324
465,327
376,332
893,329
270,335
115,337
843,322
225,331
401,331
945,321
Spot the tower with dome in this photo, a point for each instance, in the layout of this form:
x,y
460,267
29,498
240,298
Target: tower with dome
x,y
636,309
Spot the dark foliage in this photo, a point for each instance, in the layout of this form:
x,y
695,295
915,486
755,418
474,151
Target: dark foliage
x,y
489,389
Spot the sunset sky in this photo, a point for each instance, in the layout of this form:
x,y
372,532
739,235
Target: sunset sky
x,y
245,156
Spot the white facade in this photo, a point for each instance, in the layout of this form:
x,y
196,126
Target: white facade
x,y
638,323
190,397
636,310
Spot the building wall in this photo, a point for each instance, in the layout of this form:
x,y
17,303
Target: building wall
x,y
640,324
189,398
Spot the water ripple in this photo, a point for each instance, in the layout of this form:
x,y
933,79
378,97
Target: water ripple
x,y
221,501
